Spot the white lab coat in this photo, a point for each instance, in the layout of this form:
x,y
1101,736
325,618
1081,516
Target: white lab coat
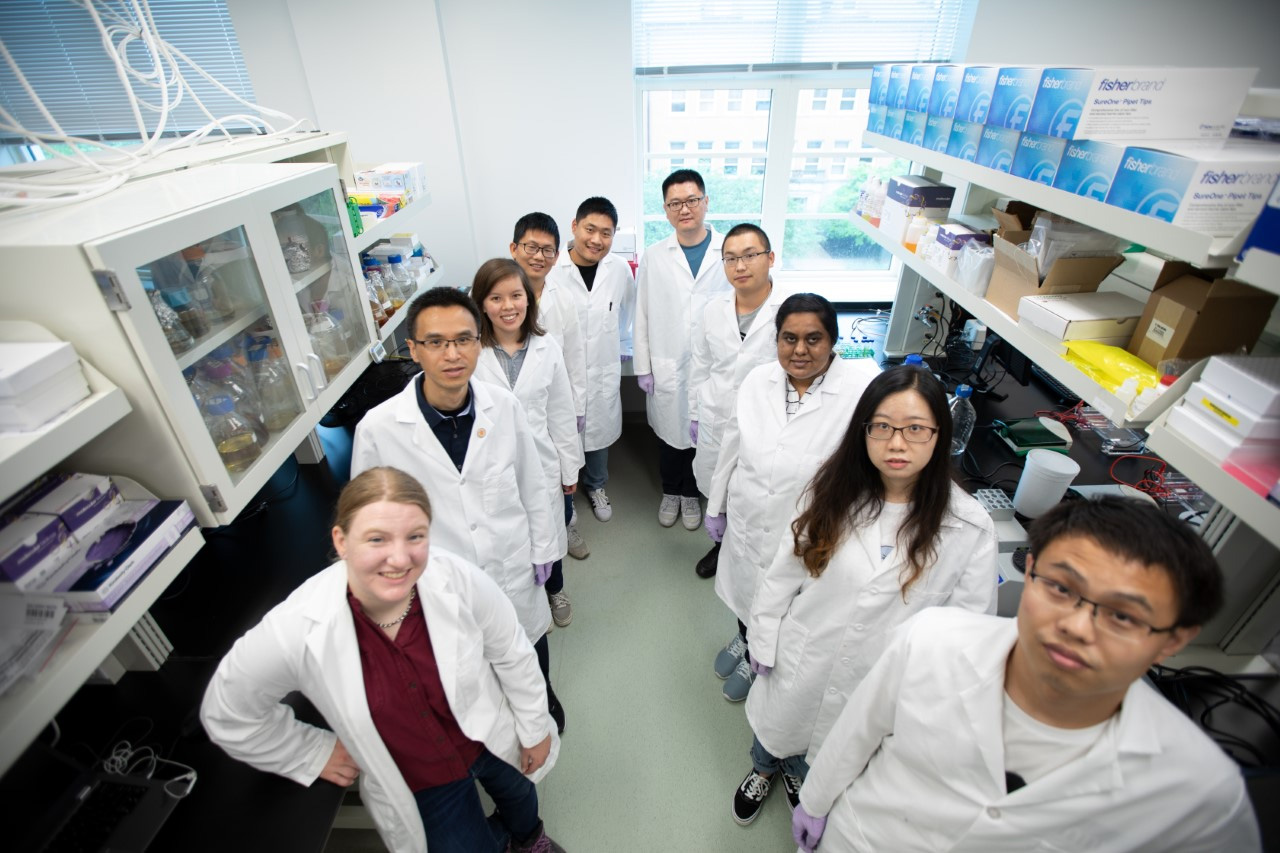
x,y
722,358
605,317
923,738
668,298
822,635
765,463
308,643
495,511
543,390
558,316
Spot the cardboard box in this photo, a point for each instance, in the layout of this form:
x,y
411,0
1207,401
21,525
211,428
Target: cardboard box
x,y
965,137
1219,193
1037,158
875,118
913,127
919,88
879,92
1125,104
908,195
1016,276
997,147
1011,99
1190,317
1058,346
899,81
974,100
1088,168
946,90
1082,316
937,133
894,118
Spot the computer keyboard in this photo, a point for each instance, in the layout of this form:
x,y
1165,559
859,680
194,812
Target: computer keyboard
x,y
104,808
1066,396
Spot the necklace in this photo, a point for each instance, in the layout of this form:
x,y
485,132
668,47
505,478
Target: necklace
x,y
413,593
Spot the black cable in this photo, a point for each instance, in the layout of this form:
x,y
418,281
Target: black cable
x,y
1195,687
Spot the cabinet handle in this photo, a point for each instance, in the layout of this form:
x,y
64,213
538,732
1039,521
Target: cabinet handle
x,y
321,384
309,381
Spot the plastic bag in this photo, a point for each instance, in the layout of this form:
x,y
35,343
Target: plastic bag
x,y
1111,366
974,266
1056,238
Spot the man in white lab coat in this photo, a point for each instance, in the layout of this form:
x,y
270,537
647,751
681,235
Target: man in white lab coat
x,y
977,733
470,446
734,334
600,287
534,246
676,278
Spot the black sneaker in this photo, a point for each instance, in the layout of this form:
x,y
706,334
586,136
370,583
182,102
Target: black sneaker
x,y
556,711
706,567
791,784
749,798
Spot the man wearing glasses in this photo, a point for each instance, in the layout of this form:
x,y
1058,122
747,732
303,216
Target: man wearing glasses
x,y
733,334
980,733
469,445
676,278
534,246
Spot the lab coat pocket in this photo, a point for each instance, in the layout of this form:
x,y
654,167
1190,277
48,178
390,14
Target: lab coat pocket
x,y
501,491
793,639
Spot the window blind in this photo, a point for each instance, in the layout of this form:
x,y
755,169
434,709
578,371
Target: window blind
x,y
62,55
692,36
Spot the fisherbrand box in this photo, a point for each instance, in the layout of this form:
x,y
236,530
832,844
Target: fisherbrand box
x,y
974,100
913,127
1037,158
1116,103
1088,167
875,118
1214,191
899,80
937,133
879,85
1011,98
996,149
919,86
893,121
965,137
946,90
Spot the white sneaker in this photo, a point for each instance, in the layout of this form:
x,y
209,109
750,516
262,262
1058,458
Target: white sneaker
x,y
668,510
600,504
577,545
573,519
690,513
561,608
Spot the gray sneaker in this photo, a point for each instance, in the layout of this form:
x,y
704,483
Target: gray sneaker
x,y
577,545
669,510
561,608
727,659
739,684
690,513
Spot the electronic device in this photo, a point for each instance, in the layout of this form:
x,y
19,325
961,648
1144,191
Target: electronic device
x,y
1025,434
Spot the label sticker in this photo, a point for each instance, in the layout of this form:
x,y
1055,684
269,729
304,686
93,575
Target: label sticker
x,y
1161,333
1231,419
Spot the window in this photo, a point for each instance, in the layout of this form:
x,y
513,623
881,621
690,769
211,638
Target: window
x,y
842,145
762,100
819,100
847,97
706,100
732,145
731,167
757,165
677,146
704,146
814,143
735,100
677,102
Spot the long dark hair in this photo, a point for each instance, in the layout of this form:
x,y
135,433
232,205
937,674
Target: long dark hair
x,y
491,273
848,489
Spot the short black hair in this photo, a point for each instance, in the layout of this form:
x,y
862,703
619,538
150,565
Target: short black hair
x,y
683,176
536,221
597,204
749,228
439,297
808,303
1136,530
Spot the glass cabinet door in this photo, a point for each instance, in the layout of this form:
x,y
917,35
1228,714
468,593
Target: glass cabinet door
x,y
212,308
315,254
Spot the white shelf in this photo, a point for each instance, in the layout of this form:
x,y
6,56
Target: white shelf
x,y
1156,235
1251,508
219,335
31,703
1018,337
302,279
384,228
389,328
1261,269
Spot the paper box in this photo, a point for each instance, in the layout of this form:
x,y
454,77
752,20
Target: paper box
x,y
1016,276
974,100
908,195
1088,168
937,133
965,136
875,118
41,403
1254,378
951,240
997,147
1214,192
946,90
25,366
1012,96
899,80
1189,317
1082,316
879,92
1037,158
893,121
913,127
919,87
1125,104
1232,412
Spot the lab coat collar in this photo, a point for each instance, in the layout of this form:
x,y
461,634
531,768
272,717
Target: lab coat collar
x,y
407,412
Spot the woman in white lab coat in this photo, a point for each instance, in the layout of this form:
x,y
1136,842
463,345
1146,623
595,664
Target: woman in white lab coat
x,y
883,534
517,355
770,452
337,639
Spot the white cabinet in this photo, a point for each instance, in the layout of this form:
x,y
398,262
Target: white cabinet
x,y
111,275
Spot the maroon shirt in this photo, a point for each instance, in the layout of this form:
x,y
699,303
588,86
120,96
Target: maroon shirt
x,y
407,702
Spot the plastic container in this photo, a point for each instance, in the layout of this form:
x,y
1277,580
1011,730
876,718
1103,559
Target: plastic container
x,y
224,379
237,443
279,403
373,274
963,417
916,229
375,304
399,273
1044,481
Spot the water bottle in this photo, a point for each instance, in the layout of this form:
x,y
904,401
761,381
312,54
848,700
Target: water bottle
x,y
915,358
279,404
963,417
237,443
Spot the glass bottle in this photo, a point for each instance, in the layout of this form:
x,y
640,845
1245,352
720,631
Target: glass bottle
x,y
224,376
329,342
373,273
375,304
189,313
404,280
279,404
237,443
175,333
222,306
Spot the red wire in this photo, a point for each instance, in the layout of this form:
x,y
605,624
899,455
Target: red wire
x,y
1152,481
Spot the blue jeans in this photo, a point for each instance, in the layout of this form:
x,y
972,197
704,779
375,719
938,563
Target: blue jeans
x,y
596,472
766,764
454,818
555,583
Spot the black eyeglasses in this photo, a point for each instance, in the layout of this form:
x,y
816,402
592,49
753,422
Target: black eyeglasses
x,y
914,433
439,344
691,203
746,259
1109,619
533,250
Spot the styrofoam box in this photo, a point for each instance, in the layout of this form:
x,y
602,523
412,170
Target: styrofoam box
x,y
1252,378
25,365
1232,413
42,403
1082,316
1212,440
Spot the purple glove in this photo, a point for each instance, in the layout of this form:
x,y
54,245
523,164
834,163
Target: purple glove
x,y
757,667
693,431
806,829
645,381
626,356
541,572
582,422
715,525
